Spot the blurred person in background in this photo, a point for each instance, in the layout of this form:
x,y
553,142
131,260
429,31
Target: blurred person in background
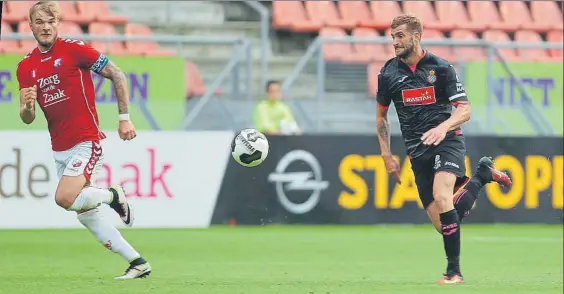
x,y
272,116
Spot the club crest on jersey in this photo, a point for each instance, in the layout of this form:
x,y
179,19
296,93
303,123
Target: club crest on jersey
x,y
57,62
419,96
431,78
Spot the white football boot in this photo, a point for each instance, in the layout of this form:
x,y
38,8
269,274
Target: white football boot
x,y
136,272
122,207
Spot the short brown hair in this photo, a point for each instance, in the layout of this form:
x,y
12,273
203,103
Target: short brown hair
x,y
413,23
49,7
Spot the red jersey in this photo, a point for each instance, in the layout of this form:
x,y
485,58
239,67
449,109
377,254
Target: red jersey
x,y
65,91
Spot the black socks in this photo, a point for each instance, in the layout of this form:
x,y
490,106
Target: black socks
x,y
450,225
465,197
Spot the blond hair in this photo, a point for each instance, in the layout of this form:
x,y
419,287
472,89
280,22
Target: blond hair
x,y
49,7
413,23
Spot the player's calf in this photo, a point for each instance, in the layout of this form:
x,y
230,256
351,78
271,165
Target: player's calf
x,y
450,222
465,198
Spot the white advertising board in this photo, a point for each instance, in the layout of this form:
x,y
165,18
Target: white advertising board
x,y
172,178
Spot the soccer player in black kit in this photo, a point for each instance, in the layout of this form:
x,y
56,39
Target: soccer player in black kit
x,y
424,89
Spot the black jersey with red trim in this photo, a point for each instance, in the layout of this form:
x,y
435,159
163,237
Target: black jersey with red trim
x,y
423,96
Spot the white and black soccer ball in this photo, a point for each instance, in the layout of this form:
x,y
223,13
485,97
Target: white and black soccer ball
x,y
249,147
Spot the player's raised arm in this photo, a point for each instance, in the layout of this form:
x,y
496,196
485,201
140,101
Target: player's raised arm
x,y
383,129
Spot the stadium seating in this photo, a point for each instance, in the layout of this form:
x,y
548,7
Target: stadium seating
x,y
468,53
143,47
556,37
106,29
546,14
94,15
100,12
496,21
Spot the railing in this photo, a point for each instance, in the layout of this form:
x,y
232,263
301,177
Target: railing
x,y
264,38
314,55
241,56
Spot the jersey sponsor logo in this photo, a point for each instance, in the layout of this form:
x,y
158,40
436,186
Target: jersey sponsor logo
x,y
419,96
50,80
46,59
50,92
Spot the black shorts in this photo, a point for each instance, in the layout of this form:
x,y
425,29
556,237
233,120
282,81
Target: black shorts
x,y
448,157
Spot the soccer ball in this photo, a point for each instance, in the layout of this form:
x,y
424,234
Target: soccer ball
x,y
249,148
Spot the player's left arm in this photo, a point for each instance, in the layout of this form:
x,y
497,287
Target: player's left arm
x,y
92,59
454,90
119,83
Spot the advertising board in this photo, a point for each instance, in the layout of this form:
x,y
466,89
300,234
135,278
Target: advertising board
x,y
170,179
343,180
542,80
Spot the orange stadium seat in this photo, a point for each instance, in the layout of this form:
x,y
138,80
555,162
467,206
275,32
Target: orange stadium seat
x,y
509,54
469,53
367,52
110,48
10,46
531,54
69,12
383,12
67,28
325,13
556,37
17,11
143,47
99,11
335,51
358,12
517,15
454,14
424,10
291,15
485,13
23,28
547,15
195,86
441,51
373,70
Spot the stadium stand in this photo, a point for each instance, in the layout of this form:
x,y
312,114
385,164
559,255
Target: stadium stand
x,y
351,68
494,21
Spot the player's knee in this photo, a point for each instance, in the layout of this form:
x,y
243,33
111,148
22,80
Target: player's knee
x,y
65,198
442,197
63,201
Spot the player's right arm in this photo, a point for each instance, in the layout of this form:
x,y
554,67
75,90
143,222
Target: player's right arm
x,y
383,128
382,125
28,95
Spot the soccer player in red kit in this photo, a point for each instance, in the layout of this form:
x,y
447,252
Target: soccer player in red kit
x,y
57,76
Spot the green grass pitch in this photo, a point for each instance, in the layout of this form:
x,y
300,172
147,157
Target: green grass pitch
x,y
286,260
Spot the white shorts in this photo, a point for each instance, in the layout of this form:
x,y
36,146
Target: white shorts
x,y
84,158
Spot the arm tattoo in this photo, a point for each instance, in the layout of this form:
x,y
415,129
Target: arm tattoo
x,y
383,130
119,82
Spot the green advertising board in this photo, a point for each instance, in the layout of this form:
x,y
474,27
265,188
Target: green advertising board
x,y
542,81
157,81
